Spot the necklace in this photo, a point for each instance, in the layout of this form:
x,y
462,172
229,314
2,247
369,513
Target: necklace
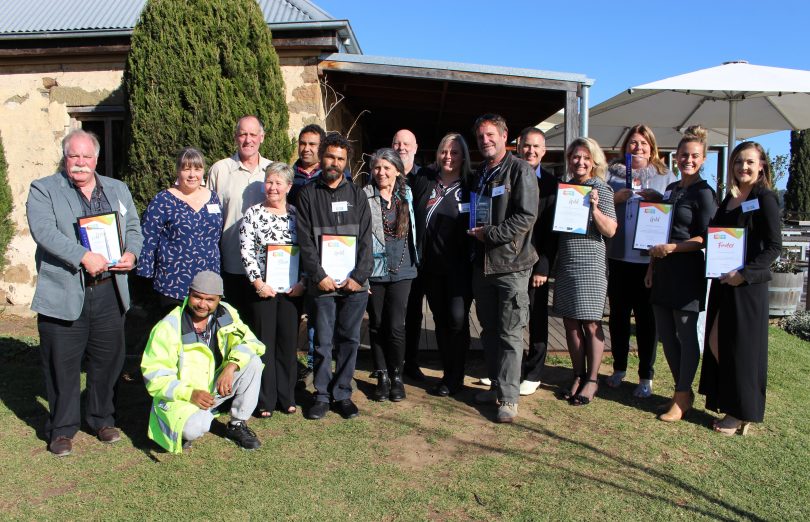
x,y
390,227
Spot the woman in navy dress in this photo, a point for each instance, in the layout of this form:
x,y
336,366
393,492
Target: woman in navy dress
x,y
181,230
735,367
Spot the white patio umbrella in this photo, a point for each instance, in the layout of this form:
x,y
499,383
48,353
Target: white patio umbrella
x,y
734,100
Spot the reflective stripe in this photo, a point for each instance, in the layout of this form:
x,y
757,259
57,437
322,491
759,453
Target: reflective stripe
x,y
157,373
170,390
244,349
173,320
164,428
180,360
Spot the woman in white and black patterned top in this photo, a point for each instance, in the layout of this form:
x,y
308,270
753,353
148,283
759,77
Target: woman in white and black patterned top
x,y
275,311
580,284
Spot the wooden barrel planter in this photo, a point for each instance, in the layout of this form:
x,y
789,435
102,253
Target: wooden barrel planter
x,y
784,293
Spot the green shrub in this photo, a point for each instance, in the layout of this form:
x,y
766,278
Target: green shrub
x,y
797,195
797,324
195,67
6,226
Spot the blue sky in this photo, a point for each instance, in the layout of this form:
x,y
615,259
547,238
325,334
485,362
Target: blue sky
x,y
618,44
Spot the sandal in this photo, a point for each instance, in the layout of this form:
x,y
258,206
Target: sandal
x,y
567,394
264,414
290,410
728,428
582,400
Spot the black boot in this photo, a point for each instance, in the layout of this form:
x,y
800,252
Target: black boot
x,y
383,386
397,387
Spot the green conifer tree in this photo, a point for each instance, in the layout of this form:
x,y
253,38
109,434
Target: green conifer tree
x,y
195,67
797,196
6,226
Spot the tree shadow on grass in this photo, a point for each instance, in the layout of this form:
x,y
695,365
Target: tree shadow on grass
x,y
22,383
634,475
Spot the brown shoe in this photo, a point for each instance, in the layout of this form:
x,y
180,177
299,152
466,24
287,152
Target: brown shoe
x,y
681,404
61,446
108,435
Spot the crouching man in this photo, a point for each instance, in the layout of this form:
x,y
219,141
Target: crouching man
x,y
198,357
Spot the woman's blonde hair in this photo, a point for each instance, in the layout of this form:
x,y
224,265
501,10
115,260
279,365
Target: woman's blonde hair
x,y
595,151
695,134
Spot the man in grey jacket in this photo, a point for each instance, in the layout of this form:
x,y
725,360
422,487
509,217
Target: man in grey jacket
x,y
506,192
81,297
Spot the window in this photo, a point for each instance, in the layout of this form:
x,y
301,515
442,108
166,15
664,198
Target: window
x,y
106,122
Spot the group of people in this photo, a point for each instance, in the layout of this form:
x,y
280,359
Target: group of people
x,y
442,232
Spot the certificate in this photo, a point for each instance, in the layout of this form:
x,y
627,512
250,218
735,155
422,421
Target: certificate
x,y
281,267
652,225
480,210
338,256
725,250
101,234
573,210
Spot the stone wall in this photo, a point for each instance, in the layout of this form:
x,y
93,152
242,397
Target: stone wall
x,y
34,117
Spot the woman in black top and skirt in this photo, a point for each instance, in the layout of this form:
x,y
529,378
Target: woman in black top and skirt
x,y
677,273
735,367
442,212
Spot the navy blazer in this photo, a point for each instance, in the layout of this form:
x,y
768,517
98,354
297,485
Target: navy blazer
x,y
53,207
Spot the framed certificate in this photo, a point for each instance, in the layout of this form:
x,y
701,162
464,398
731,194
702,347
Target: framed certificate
x,y
573,210
281,267
725,250
101,234
480,210
338,256
653,224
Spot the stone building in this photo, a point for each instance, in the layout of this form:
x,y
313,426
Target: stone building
x,y
61,67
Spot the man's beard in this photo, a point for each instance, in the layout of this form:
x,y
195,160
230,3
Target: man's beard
x,y
331,174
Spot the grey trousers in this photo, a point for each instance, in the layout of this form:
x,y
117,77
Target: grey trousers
x,y
502,306
246,385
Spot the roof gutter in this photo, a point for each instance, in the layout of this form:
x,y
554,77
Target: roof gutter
x,y
343,28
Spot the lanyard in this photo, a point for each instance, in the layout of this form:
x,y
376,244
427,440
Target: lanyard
x,y
486,177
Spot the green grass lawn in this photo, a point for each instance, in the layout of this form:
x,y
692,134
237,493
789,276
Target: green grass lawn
x,y
425,458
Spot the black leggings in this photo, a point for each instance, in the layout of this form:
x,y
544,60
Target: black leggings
x,y
627,294
450,297
386,323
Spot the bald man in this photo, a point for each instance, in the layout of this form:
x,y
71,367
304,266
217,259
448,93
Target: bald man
x,y
404,143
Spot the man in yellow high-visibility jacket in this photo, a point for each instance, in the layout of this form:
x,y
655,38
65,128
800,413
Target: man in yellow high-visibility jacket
x,y
198,357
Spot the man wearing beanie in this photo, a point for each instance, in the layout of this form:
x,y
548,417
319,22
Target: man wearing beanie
x,y
198,357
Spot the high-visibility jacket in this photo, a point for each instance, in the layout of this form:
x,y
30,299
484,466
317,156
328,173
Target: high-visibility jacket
x,y
174,365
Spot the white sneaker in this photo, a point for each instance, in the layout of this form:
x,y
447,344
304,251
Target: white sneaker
x,y
507,412
615,380
529,387
484,381
644,389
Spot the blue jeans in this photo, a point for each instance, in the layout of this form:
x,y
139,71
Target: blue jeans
x,y
337,326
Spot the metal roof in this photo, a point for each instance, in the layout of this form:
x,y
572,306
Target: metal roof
x,y
34,17
369,60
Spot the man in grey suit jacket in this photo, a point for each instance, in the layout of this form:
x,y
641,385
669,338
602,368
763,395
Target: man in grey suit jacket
x,y
81,297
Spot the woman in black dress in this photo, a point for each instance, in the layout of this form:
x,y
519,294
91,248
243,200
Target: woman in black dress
x,y
735,367
677,271
442,215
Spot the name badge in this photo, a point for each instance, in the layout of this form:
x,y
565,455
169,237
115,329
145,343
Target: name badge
x,y
463,208
667,194
749,206
123,210
213,208
498,191
340,206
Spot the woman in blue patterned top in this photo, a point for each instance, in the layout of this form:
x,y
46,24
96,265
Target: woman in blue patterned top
x,y
275,312
181,230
